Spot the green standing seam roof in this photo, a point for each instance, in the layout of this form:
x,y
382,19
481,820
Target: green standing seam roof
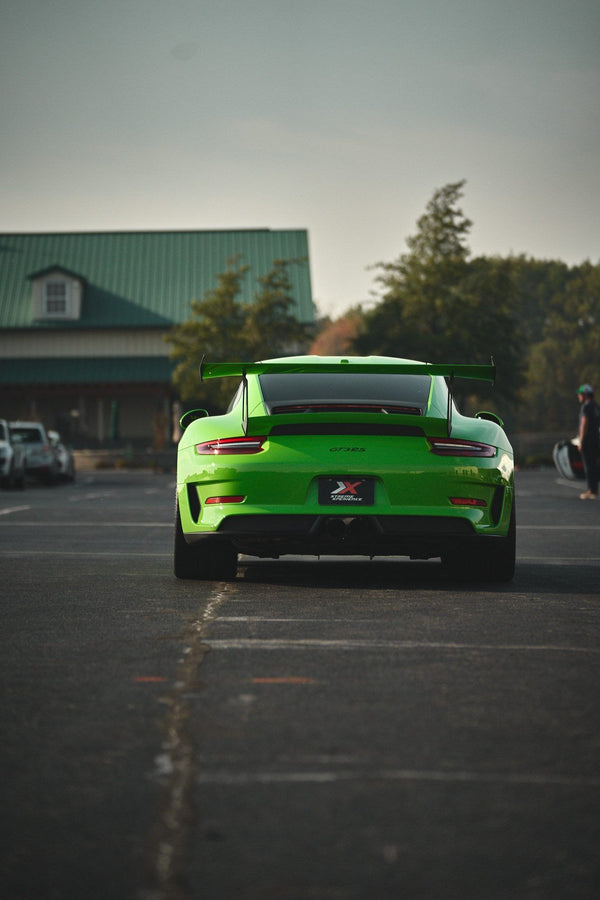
x,y
144,279
85,371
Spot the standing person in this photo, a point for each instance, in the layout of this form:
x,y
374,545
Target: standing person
x,y
589,439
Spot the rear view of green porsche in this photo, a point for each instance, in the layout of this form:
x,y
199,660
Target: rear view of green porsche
x,y
325,456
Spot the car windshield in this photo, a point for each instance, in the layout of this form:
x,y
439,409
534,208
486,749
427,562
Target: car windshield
x,y
3,435
298,392
27,435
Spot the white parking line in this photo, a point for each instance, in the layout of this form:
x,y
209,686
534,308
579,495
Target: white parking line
x,y
560,560
558,527
13,509
264,619
87,553
361,644
227,777
89,524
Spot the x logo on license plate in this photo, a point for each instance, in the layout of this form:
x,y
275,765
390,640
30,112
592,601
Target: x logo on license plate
x,y
346,487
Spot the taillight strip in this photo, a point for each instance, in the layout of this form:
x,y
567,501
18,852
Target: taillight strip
x,y
240,445
459,447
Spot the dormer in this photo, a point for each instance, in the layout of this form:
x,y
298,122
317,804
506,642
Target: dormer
x,y
56,294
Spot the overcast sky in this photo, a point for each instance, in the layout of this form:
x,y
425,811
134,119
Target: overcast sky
x,y
338,116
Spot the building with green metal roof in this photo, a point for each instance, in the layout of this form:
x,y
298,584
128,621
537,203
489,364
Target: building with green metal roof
x,y
83,318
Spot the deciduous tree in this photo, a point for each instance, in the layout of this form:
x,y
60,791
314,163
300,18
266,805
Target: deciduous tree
x,y
221,328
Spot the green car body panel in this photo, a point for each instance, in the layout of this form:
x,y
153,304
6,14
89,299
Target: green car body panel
x,y
287,475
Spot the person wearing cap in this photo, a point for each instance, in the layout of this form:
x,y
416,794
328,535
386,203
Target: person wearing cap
x,y
589,439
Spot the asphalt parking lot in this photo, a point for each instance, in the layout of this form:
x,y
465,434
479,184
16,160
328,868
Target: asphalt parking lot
x,y
314,729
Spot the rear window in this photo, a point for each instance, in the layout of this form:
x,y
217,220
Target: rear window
x,y
406,393
27,435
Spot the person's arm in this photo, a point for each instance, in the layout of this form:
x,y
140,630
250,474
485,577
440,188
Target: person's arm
x,y
583,426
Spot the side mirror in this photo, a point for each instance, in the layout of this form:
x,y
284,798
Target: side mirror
x,y
491,417
191,416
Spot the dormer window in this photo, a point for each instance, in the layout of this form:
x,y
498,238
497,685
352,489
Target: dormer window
x,y
57,294
56,298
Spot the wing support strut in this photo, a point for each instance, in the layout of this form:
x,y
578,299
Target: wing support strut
x,y
450,383
244,404
491,376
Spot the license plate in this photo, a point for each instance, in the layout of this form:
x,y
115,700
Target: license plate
x,y
346,491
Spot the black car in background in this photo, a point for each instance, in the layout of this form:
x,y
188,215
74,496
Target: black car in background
x,y
567,460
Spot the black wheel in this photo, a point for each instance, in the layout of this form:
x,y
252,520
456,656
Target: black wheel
x,y
14,479
494,559
10,479
207,561
503,553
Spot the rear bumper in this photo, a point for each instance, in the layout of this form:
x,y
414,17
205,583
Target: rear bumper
x,y
270,536
40,469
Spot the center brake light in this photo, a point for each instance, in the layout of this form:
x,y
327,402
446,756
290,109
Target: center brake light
x,y
458,447
238,445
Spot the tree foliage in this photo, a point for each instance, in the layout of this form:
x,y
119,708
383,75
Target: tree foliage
x,y
539,319
568,352
438,305
270,326
221,328
337,337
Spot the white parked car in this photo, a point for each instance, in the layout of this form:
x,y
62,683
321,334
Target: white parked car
x,y
40,459
12,459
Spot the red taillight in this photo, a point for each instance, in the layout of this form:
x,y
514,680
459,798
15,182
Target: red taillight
x,y
467,501
221,446
229,498
458,447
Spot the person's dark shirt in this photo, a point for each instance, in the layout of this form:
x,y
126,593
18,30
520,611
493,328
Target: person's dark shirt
x,y
590,412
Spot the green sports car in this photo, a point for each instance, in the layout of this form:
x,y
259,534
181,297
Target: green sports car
x,y
330,456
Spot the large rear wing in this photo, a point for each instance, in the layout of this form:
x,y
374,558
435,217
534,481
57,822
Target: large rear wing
x,y
364,367
447,370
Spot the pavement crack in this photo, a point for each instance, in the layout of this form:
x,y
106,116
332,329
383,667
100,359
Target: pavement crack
x,y
175,765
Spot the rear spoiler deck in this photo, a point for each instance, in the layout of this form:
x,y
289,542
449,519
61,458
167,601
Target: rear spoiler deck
x,y
364,367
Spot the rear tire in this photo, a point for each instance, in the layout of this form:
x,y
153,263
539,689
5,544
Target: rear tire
x,y
494,560
208,561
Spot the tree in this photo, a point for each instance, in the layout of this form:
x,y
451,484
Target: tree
x,y
439,243
419,288
335,338
439,306
537,282
215,328
270,327
567,355
221,328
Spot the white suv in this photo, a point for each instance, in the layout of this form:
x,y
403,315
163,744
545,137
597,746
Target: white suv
x,y
40,459
12,459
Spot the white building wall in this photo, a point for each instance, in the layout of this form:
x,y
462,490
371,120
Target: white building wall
x,y
102,342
